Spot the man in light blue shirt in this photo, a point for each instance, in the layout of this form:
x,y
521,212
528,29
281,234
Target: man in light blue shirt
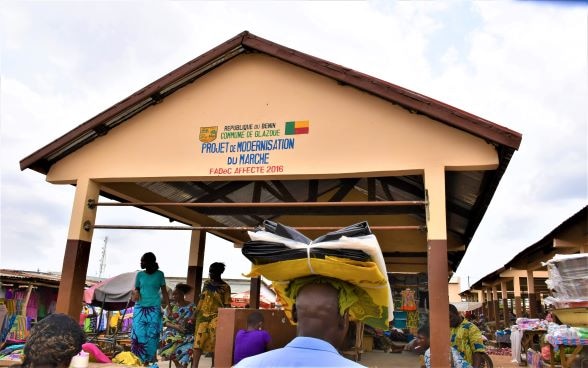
x,y
320,329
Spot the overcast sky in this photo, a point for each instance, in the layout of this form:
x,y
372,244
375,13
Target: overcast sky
x,y
519,64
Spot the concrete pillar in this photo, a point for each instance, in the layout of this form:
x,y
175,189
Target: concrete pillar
x,y
196,263
484,301
496,305
254,291
77,249
517,296
532,296
438,274
491,316
505,309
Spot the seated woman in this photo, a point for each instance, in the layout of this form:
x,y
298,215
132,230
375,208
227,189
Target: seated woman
x,y
178,328
423,340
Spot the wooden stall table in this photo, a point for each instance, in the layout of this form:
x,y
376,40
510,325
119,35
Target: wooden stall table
x,y
355,351
559,343
530,338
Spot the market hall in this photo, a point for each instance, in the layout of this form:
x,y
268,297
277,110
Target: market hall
x,y
319,147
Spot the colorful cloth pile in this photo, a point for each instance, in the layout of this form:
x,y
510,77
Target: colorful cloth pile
x,y
12,353
352,254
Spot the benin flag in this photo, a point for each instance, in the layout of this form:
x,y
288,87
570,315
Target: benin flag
x,y
297,127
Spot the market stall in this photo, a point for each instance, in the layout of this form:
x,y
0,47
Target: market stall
x,y
561,337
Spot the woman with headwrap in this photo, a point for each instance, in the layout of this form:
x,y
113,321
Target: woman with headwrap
x,y
178,323
53,342
147,314
215,294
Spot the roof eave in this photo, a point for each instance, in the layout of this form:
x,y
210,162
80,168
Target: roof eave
x,y
42,159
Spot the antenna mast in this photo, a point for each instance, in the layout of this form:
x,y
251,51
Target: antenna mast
x,y
103,257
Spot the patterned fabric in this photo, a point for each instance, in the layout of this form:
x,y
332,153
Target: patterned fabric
x,y
412,319
214,296
467,339
370,276
359,303
457,360
365,275
147,323
177,345
556,341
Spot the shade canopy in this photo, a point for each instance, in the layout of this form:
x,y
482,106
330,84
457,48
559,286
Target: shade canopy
x,y
113,293
467,306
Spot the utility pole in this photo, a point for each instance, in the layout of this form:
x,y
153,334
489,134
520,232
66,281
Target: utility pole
x,y
103,258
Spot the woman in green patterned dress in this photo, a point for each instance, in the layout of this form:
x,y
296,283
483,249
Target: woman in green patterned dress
x,y
215,294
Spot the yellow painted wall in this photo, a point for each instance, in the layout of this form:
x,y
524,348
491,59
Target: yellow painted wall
x,y
351,133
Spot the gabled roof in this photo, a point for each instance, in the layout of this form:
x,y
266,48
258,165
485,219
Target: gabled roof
x,y
468,193
540,251
505,139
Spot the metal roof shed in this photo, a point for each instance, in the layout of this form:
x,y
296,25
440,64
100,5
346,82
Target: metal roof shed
x,y
253,130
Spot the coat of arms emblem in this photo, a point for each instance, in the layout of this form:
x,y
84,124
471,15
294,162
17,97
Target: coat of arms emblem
x,y
208,134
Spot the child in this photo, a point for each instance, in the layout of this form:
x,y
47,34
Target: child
x,y
252,341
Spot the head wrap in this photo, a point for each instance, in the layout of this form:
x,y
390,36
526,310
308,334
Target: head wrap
x,y
360,305
367,293
53,341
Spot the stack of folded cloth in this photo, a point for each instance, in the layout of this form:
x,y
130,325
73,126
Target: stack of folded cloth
x,y
352,254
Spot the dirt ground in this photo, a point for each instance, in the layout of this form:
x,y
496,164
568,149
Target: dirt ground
x,y
379,359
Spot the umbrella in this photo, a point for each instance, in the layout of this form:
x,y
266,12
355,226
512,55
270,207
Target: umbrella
x,y
467,306
113,293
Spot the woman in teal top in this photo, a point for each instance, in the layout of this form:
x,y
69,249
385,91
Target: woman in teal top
x,y
147,314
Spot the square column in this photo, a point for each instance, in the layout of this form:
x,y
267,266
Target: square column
x,y
77,249
517,297
491,316
196,263
505,309
437,266
532,296
495,305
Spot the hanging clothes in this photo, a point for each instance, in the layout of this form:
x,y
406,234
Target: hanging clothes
x,y
412,320
408,300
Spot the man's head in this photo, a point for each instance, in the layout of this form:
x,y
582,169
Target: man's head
x,y
149,263
454,317
423,336
317,313
180,291
255,321
53,342
216,270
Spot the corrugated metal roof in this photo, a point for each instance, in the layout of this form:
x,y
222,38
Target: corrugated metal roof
x,y
32,277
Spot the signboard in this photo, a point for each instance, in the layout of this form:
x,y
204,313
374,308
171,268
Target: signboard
x,y
247,148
